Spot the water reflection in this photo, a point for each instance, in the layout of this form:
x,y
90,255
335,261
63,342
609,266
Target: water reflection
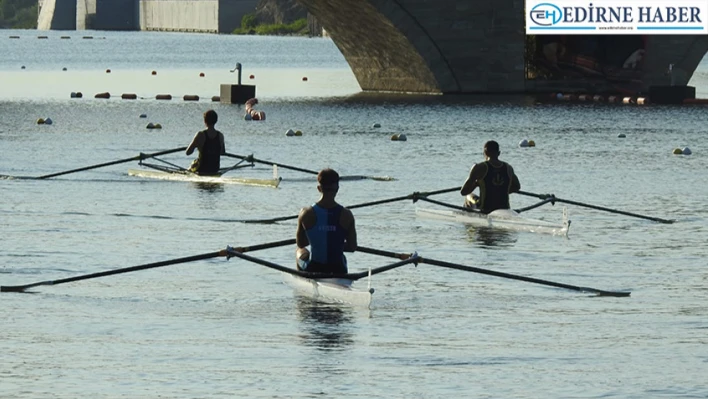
x,y
375,98
488,237
210,187
327,327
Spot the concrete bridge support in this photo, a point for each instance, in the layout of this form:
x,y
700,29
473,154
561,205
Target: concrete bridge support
x,y
466,46
453,46
685,52
56,15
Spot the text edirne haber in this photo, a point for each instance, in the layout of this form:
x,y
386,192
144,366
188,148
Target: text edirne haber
x,y
625,14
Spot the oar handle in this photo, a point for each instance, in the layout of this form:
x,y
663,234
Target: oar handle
x,y
135,158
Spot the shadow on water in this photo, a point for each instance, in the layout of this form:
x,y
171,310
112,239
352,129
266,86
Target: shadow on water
x,y
371,98
210,187
327,327
489,238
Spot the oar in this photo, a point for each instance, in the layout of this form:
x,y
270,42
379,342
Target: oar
x,y
135,158
528,208
251,159
415,196
493,273
351,276
459,208
223,252
553,198
267,245
462,208
21,288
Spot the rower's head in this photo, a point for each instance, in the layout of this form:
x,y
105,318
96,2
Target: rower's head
x,y
210,118
328,181
491,149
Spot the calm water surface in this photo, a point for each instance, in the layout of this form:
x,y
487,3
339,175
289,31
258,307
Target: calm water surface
x,y
220,328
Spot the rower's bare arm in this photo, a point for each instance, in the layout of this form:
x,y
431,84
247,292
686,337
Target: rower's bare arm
x,y
350,243
194,144
515,183
223,146
471,182
301,235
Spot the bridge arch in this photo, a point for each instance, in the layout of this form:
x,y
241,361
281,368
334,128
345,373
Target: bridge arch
x,y
474,46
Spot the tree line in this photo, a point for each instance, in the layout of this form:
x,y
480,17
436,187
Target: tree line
x,y
18,14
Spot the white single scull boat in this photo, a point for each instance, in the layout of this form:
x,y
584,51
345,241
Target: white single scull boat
x,y
506,219
180,175
332,290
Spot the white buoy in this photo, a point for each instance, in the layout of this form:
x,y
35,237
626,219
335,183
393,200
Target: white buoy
x,y
48,121
621,135
524,143
377,125
290,133
686,151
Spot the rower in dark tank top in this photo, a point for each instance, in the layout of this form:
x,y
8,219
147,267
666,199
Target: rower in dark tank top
x,y
495,179
210,143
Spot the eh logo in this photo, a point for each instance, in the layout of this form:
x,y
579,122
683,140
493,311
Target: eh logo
x,y
546,14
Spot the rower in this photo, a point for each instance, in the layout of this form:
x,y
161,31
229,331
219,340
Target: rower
x,y
328,228
495,179
210,143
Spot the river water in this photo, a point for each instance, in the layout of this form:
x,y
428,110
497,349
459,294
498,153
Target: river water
x,y
218,328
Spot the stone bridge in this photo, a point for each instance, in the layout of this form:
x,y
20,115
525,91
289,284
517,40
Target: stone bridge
x,y
426,46
468,46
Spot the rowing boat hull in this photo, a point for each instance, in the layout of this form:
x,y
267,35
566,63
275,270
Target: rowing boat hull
x,y
330,290
192,177
505,219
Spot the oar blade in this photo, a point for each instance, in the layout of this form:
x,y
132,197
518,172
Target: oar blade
x,y
16,288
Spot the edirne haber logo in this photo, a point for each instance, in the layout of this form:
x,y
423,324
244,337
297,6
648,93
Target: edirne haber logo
x,y
623,17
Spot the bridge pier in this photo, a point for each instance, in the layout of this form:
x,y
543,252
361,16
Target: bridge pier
x,y
480,46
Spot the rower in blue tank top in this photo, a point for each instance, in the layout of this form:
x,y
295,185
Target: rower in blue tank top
x,y
327,228
495,179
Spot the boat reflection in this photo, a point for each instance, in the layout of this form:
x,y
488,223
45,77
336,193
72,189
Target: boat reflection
x,y
489,237
210,187
327,327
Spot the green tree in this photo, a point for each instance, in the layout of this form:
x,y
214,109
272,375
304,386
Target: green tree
x,y
18,14
247,22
